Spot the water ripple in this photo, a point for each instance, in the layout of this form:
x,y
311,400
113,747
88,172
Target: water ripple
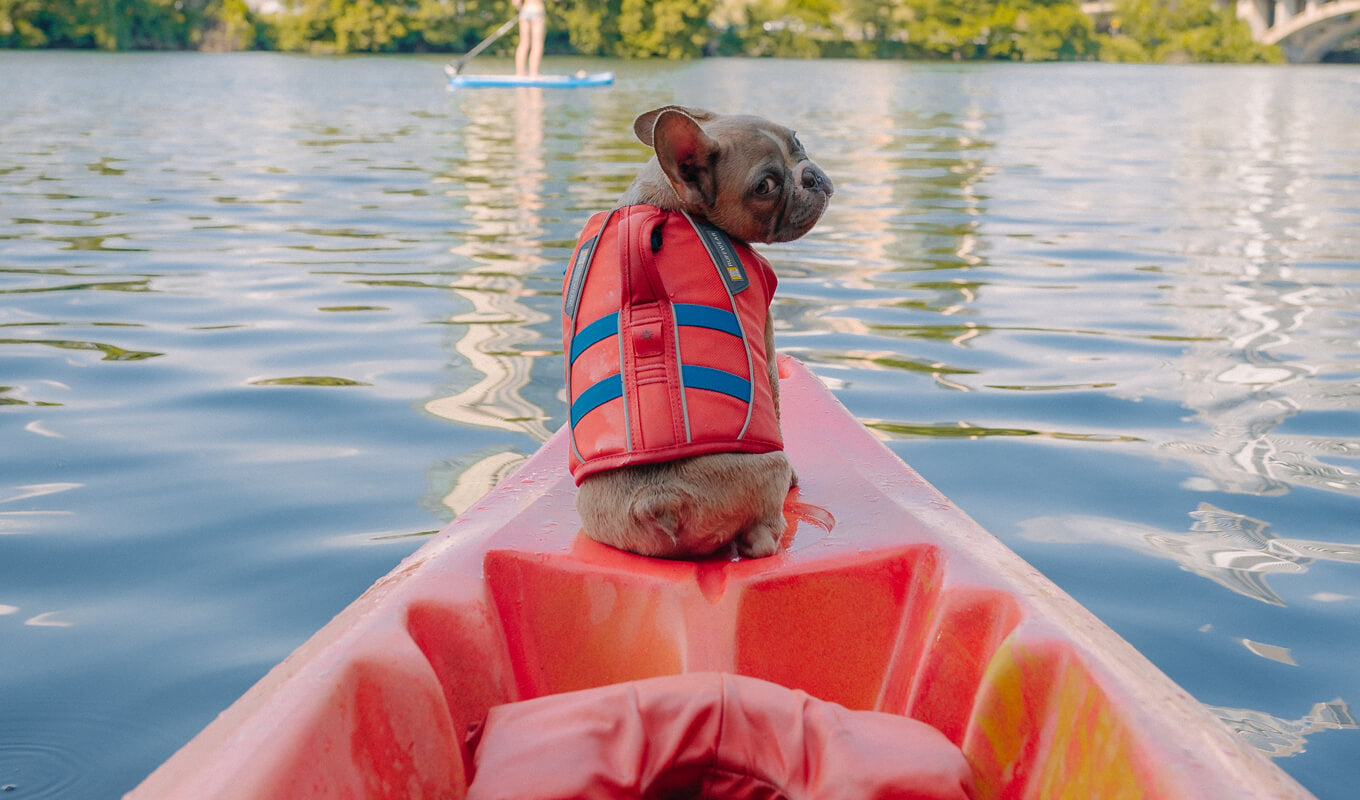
x,y
1281,737
964,430
45,747
1233,550
111,352
135,285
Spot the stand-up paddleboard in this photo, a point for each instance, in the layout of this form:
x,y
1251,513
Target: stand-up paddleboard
x,y
578,80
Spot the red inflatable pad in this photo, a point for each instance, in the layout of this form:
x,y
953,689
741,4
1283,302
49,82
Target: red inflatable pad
x,y
709,735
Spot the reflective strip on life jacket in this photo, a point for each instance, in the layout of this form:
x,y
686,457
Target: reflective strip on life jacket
x,y
691,375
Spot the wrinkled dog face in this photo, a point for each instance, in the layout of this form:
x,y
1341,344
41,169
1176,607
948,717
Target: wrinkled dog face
x,y
778,192
747,175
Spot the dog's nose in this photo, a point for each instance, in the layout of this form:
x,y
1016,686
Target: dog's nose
x,y
813,179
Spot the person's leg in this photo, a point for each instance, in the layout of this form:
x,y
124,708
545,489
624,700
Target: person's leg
x,y
540,31
522,49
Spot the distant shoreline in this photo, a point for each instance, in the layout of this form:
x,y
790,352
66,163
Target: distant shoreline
x,y
1010,30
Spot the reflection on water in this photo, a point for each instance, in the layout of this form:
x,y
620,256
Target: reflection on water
x,y
1286,737
1239,553
111,352
1276,321
915,207
499,183
1232,550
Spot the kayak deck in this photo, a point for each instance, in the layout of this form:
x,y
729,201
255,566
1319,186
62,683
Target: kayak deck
x,y
546,81
884,596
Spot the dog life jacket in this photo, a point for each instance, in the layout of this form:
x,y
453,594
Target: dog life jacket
x,y
663,325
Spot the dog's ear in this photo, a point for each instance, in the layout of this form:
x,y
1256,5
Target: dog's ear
x,y
644,125
687,155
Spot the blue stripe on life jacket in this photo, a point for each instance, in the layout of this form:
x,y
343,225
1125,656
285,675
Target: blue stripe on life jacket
x,y
701,316
597,331
610,388
716,380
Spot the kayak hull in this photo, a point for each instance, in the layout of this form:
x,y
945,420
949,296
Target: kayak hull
x,y
884,596
542,81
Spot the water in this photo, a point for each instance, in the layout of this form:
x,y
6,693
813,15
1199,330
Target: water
x,y
266,321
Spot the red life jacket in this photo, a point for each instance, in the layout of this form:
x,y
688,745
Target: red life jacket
x,y
709,735
663,324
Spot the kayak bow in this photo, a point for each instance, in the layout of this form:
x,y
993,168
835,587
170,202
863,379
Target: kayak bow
x,y
884,596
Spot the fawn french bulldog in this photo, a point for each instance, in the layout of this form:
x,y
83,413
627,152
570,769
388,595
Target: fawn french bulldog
x,y
670,361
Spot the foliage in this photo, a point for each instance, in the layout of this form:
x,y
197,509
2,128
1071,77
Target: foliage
x,y
1055,31
1011,30
103,24
383,26
1015,30
592,27
1183,30
879,24
370,26
341,26
229,27
667,28
1123,49
789,28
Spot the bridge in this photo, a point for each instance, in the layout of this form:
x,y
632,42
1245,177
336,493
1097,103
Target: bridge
x,y
1307,30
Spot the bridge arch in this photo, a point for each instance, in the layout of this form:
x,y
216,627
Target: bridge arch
x,y
1307,30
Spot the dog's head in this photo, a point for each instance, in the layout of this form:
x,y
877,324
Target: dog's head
x,y
745,174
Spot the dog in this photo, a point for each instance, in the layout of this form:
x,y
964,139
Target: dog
x,y
670,361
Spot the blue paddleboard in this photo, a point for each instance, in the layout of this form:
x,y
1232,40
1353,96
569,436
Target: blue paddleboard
x,y
550,81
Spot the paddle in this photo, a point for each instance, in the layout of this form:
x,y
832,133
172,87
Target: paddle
x,y
455,67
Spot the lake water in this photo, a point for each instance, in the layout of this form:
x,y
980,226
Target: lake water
x,y
267,321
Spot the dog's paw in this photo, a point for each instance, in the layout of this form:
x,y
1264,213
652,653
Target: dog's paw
x,y
760,540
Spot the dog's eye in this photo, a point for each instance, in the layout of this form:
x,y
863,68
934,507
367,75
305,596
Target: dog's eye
x,y
767,185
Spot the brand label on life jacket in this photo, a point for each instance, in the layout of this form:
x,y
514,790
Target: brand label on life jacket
x,y
724,254
578,269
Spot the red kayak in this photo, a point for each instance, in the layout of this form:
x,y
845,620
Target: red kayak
x,y
892,648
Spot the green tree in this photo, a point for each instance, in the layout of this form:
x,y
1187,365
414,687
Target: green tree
x,y
371,26
20,25
877,22
227,25
441,27
666,28
346,26
1183,30
1053,31
1018,30
791,28
949,28
304,25
592,26
1221,38
105,24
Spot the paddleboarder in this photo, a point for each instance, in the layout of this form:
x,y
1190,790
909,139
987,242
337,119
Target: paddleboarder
x,y
533,29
